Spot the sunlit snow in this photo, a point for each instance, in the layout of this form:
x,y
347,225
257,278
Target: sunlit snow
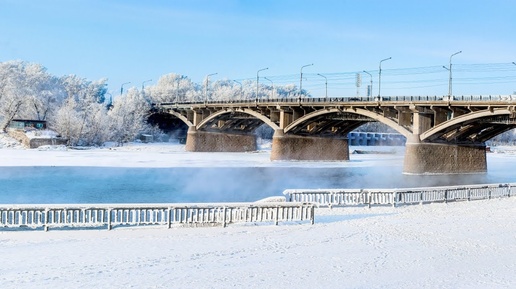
x,y
456,245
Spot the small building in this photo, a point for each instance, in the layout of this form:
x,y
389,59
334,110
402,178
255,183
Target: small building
x,y
24,124
146,138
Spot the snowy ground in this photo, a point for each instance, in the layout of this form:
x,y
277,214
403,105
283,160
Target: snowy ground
x,y
456,245
157,155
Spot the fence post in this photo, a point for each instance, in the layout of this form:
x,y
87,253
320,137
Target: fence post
x,y
312,215
224,217
277,216
469,194
169,217
45,226
109,219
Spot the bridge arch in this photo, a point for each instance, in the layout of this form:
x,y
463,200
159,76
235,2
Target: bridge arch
x,y
392,124
181,117
250,112
463,119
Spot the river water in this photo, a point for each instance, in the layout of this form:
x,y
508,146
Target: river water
x,y
61,185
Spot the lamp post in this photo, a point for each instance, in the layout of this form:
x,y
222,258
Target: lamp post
x,y
272,87
371,85
380,76
122,87
178,79
325,83
514,64
206,88
110,104
258,80
241,89
301,79
143,83
449,68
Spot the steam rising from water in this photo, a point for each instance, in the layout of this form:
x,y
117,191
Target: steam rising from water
x,y
59,185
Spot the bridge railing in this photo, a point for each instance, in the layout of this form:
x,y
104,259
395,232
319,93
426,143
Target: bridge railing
x,y
394,197
96,216
294,100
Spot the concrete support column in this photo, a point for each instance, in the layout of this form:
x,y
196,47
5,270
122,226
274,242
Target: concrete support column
x,y
436,158
291,147
201,141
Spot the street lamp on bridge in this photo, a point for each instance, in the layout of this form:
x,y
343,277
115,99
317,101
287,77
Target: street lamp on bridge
x,y
325,83
206,88
122,87
380,76
258,79
143,83
241,89
371,85
272,86
301,79
449,68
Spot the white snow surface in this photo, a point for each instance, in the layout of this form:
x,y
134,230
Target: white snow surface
x,y
159,155
454,245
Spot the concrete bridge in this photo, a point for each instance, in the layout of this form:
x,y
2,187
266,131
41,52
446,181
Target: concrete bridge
x,y
444,135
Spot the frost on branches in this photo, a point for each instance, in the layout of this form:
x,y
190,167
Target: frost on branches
x,y
127,118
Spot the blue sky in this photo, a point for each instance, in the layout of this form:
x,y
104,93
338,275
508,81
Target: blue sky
x,y
134,41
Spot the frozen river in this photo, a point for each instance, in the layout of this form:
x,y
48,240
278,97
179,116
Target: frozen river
x,y
197,177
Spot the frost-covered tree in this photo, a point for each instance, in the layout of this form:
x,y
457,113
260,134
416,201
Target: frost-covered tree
x,y
290,90
84,91
46,95
27,91
82,125
128,116
506,138
82,118
171,88
224,90
67,121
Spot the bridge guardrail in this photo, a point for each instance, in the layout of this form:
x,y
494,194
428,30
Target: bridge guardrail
x,y
395,197
293,100
96,216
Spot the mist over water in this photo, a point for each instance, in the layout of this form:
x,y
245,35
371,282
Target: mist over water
x,y
61,185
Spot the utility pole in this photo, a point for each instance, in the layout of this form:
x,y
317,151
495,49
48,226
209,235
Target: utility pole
x,y
370,92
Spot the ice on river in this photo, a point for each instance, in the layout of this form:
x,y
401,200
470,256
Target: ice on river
x,y
455,245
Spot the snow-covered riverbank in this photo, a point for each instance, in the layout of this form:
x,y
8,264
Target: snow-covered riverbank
x,y
456,245
459,245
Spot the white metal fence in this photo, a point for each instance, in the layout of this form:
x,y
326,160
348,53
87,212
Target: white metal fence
x,y
394,197
54,216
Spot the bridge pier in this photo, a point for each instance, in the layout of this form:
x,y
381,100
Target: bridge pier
x,y
439,158
291,147
201,141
